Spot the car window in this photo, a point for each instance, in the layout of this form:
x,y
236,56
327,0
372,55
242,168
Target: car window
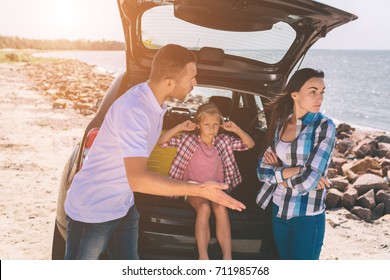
x,y
261,113
202,94
160,27
198,96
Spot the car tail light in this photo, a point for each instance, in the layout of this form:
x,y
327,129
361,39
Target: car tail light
x,y
88,142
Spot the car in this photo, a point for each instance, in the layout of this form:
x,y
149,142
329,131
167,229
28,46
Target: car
x,y
246,50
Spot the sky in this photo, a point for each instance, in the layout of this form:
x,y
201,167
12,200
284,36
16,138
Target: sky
x,y
99,19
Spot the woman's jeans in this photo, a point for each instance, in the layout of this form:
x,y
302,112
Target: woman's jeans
x,y
299,238
86,241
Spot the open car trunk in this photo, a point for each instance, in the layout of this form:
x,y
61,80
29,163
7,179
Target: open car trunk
x,y
248,48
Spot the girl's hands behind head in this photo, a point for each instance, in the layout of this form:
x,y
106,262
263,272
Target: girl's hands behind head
x,y
187,126
230,126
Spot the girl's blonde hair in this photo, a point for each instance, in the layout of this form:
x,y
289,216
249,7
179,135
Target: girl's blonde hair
x,y
207,108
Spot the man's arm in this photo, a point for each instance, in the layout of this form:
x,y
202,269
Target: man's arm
x,y
143,181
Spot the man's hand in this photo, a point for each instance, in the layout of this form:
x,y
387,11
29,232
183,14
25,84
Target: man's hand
x,y
143,181
214,191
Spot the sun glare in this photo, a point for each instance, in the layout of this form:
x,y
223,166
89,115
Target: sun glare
x,y
67,13
67,17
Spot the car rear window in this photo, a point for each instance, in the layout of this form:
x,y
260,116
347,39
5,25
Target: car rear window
x,y
199,95
203,94
160,27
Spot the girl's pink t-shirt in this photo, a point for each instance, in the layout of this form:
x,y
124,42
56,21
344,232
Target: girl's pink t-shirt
x,y
205,165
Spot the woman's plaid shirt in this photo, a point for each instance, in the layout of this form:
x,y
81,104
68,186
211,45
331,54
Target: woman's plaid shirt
x,y
225,145
311,149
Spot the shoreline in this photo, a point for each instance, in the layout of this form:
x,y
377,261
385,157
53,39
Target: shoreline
x,y
105,67
88,58
362,128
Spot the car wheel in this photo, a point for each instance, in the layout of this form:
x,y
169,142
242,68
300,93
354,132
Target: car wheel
x,y
58,249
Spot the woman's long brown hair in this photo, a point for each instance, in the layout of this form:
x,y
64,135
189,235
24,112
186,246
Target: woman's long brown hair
x,y
282,106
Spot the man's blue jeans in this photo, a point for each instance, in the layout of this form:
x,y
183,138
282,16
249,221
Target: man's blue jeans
x,y
86,241
299,238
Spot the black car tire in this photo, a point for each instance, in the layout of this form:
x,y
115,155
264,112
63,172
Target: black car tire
x,y
58,249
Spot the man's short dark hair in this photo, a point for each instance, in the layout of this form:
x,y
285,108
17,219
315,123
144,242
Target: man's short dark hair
x,y
170,61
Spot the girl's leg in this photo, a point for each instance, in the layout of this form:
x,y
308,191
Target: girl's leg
x,y
202,227
223,231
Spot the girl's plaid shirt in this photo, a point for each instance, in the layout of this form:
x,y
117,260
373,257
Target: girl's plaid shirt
x,y
225,145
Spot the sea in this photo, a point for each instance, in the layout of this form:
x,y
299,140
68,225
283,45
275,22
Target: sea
x,y
357,81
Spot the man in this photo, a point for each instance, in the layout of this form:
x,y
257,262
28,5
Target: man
x,y
100,203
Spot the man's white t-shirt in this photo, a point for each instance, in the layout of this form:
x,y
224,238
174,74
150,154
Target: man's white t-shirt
x,y
100,191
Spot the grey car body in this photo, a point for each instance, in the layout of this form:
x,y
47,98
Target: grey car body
x,y
246,50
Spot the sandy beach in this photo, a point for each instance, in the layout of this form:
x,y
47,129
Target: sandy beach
x,y
35,142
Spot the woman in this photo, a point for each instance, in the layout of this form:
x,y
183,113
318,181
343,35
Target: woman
x,y
295,165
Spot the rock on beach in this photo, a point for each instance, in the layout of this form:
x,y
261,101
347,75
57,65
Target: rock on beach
x,y
359,170
70,84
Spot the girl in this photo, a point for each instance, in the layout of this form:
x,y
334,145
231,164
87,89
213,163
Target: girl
x,y
294,166
207,156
